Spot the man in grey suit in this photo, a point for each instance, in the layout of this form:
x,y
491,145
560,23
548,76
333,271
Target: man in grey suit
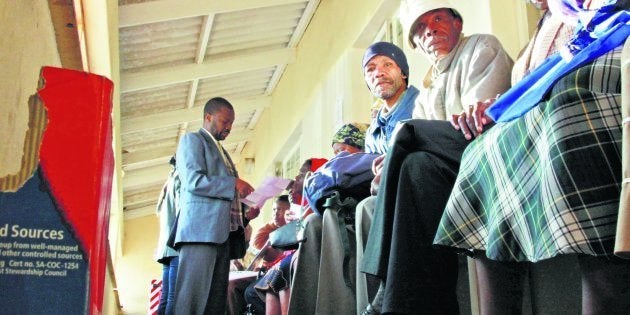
x,y
210,210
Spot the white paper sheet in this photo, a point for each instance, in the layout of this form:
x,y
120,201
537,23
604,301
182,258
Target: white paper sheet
x,y
269,188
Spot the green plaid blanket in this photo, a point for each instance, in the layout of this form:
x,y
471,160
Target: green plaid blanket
x,y
547,183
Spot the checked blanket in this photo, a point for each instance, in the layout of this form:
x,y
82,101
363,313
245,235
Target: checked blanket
x,y
548,182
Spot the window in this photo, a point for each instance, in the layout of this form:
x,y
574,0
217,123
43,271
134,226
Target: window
x,y
391,31
291,165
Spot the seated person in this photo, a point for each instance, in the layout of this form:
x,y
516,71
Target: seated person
x,y
259,240
348,172
236,287
348,144
274,287
382,62
544,181
350,138
324,264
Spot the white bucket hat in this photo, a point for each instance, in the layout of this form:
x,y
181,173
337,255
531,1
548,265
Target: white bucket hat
x,y
411,10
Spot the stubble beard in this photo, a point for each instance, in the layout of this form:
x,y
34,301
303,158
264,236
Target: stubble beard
x,y
219,136
383,94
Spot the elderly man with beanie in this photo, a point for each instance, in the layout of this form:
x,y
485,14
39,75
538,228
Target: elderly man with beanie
x,y
319,287
423,161
396,99
386,73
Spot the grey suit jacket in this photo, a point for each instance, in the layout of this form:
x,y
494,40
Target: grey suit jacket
x,y
206,193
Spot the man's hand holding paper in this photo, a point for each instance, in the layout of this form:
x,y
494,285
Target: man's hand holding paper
x,y
269,188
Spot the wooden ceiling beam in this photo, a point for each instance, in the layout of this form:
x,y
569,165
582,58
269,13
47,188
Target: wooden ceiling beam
x,y
66,28
175,117
146,177
132,160
217,67
142,198
166,10
139,212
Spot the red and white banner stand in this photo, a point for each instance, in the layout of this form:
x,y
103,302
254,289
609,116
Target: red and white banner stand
x,y
154,296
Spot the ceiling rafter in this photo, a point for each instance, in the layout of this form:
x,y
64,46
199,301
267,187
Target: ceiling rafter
x,y
136,160
142,197
175,117
204,37
297,34
166,10
217,67
153,175
139,212
147,176
148,157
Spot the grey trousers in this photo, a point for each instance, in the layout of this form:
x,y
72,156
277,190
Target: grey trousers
x,y
334,296
304,281
363,221
202,279
318,284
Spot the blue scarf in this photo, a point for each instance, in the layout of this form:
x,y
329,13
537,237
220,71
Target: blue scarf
x,y
380,131
605,31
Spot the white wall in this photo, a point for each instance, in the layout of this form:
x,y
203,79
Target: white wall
x,y
337,101
136,267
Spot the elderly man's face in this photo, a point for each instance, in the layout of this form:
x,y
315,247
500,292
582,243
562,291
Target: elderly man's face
x,y
437,33
384,78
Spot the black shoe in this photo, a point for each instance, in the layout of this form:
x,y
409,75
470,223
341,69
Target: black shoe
x,y
369,310
376,306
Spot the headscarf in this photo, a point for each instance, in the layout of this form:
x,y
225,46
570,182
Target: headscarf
x,y
598,32
351,134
